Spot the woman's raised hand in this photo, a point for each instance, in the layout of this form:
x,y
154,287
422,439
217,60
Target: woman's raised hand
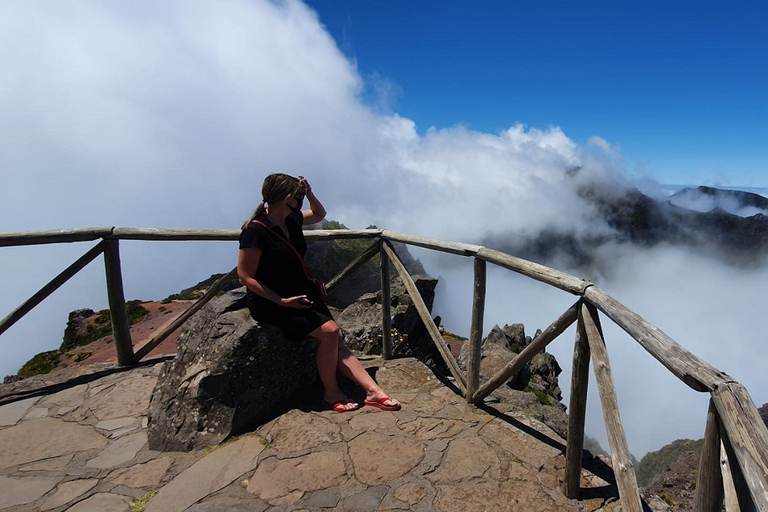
x,y
304,185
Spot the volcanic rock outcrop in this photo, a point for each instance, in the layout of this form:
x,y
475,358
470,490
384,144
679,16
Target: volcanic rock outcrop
x,y
229,375
361,321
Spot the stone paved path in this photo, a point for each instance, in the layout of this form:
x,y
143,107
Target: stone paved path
x,y
84,448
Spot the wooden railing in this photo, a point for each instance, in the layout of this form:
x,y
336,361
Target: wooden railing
x,y
733,469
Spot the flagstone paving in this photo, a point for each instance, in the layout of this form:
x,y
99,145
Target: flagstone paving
x,y
84,448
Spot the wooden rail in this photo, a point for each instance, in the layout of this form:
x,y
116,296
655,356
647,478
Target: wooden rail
x,y
733,468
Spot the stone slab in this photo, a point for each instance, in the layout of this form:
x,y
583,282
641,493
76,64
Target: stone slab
x,y
215,471
67,492
119,452
10,414
148,474
20,491
103,502
45,438
275,478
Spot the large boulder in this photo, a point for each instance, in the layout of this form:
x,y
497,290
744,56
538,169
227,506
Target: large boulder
x,y
361,322
229,376
499,348
534,390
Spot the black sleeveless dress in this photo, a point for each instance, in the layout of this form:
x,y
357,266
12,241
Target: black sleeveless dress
x,y
282,272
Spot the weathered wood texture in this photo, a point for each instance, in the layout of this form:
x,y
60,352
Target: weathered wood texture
x,y
693,371
183,235
538,345
535,271
577,412
232,234
476,329
168,329
730,495
116,297
747,437
340,234
430,243
386,303
426,317
53,236
51,287
620,456
709,482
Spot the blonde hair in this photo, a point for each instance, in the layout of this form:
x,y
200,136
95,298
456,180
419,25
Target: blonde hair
x,y
276,186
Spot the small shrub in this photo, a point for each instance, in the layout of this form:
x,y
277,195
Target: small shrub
x,y
543,397
100,326
80,356
139,504
42,363
399,340
666,499
178,296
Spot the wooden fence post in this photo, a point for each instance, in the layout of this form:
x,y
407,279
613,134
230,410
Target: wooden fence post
x,y
746,442
386,302
426,317
620,456
177,322
116,298
577,412
476,329
709,482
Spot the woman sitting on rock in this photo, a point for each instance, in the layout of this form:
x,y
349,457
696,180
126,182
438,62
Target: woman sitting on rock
x,y
270,265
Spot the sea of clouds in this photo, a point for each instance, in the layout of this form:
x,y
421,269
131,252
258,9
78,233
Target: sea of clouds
x,y
169,116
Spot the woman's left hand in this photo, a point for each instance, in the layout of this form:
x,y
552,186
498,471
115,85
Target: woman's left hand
x,y
304,185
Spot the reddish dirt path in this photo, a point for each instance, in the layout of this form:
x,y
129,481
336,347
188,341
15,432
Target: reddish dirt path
x,y
103,350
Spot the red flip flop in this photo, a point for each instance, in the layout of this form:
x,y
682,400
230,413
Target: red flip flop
x,y
338,406
381,405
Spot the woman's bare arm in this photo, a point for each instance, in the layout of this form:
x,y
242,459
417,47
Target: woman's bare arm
x,y
316,211
247,263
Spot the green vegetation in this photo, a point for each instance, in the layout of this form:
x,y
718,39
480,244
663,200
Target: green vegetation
x,y
448,336
666,499
196,291
139,504
193,295
399,341
654,463
544,398
100,326
80,356
43,362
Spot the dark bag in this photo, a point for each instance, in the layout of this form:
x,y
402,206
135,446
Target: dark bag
x,y
320,290
318,287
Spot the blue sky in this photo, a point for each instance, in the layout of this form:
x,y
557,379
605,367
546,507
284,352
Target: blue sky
x,y
679,88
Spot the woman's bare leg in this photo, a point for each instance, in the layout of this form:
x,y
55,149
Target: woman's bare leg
x,y
327,360
332,351
350,367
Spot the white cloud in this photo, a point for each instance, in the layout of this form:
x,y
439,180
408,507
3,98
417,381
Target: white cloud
x,y
169,115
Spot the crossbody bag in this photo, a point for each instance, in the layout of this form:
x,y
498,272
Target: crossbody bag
x,y
317,285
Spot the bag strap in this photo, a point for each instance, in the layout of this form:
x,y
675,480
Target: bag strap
x,y
281,237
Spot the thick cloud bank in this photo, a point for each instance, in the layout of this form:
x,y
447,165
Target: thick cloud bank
x,y
145,115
